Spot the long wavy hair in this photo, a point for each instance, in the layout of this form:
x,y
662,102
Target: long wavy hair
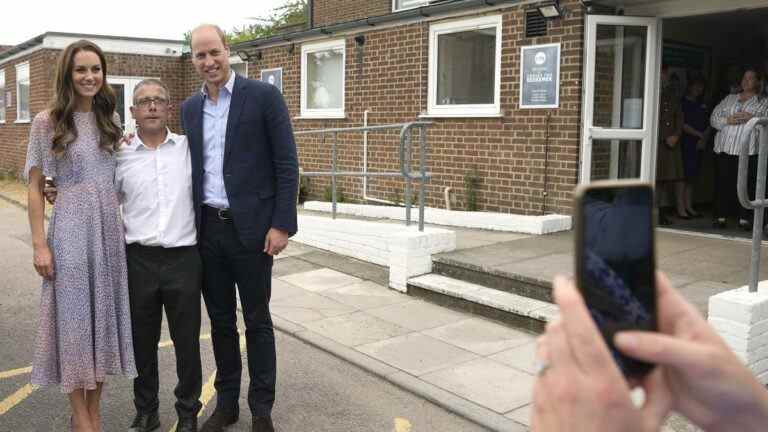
x,y
64,104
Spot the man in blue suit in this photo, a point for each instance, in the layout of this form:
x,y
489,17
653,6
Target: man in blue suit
x,y
245,180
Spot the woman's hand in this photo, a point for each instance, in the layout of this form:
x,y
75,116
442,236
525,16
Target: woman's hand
x,y
672,141
43,261
707,382
580,387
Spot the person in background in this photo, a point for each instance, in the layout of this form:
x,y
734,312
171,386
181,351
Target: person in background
x,y
669,169
580,387
84,330
730,118
695,136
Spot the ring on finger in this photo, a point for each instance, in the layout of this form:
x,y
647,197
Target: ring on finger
x,y
542,367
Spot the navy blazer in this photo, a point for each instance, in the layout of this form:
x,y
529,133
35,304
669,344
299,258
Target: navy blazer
x,y
260,170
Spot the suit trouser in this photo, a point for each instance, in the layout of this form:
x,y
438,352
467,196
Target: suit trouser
x,y
228,263
170,278
726,175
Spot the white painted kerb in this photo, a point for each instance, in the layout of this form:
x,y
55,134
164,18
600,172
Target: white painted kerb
x,y
741,318
546,224
406,251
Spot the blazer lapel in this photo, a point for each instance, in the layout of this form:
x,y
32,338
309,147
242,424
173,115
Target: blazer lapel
x,y
196,135
235,109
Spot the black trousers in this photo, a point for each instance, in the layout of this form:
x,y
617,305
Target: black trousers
x,y
170,278
228,263
726,178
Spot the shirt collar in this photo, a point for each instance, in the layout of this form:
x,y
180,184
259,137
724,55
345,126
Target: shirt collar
x,y
138,144
229,85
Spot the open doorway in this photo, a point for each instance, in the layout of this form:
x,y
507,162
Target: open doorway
x,y
715,49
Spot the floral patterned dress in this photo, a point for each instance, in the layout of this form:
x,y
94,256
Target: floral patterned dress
x,y
84,329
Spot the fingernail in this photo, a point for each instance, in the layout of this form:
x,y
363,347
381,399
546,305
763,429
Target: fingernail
x,y
626,340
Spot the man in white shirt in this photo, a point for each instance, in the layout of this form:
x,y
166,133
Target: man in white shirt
x,y
154,182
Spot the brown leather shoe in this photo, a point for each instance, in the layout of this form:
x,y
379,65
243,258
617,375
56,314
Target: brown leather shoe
x,y
220,419
188,424
262,424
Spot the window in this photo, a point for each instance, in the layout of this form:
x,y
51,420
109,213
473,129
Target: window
x,y
322,79
22,93
465,68
2,95
238,66
399,5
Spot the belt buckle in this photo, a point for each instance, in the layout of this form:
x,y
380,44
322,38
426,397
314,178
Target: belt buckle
x,y
223,214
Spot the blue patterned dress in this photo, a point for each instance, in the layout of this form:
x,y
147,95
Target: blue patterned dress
x,y
84,329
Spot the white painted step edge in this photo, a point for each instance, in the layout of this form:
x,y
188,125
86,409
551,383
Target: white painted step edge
x,y
479,294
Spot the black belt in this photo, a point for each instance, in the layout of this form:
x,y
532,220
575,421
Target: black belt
x,y
221,214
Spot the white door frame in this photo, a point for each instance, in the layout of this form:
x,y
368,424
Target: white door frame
x,y
128,83
649,133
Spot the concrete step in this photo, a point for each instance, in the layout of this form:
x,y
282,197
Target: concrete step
x,y
513,309
521,285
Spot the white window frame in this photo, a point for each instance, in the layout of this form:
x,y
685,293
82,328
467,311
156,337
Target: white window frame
x,y
236,60
326,112
466,110
128,83
19,67
397,9
4,112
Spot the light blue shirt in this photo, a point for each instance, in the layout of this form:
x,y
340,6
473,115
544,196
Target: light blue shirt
x,y
215,116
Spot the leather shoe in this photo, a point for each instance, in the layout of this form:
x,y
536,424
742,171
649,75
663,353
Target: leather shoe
x,y
221,418
262,424
188,424
145,422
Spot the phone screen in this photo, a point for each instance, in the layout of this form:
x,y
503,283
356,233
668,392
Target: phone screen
x,y
616,268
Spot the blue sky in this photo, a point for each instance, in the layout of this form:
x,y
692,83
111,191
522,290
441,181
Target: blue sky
x,y
166,19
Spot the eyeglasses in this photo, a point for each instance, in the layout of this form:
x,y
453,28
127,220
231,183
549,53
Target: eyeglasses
x,y
147,102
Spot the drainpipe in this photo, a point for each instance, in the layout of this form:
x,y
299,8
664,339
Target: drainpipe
x,y
310,14
365,165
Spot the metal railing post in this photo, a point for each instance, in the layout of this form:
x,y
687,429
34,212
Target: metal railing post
x,y
759,204
423,174
408,191
333,174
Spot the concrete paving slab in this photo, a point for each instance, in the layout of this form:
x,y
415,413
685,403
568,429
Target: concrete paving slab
x,y
542,268
308,307
522,415
417,315
292,265
282,290
522,358
320,279
356,329
699,293
466,238
489,383
416,353
480,336
366,295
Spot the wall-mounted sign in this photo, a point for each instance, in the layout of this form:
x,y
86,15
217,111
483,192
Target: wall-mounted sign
x,y
540,76
8,99
274,77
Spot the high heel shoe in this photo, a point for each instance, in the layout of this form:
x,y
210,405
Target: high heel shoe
x,y
719,223
683,216
693,214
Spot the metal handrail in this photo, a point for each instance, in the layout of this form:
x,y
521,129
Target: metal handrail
x,y
760,202
404,155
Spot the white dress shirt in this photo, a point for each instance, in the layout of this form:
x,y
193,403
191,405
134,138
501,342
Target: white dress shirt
x,y
155,189
215,118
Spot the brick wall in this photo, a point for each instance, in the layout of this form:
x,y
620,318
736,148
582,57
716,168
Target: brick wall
x,y
335,11
388,77
176,72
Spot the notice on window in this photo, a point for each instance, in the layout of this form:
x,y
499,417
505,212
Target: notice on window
x,y
274,77
540,76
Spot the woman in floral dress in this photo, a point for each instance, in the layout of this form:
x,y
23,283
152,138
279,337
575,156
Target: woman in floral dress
x,y
84,326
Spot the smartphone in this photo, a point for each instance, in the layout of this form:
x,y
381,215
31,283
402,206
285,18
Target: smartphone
x,y
615,260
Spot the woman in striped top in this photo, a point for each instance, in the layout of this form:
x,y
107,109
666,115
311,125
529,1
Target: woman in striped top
x,y
730,118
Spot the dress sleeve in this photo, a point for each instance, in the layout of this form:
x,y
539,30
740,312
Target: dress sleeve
x,y
39,152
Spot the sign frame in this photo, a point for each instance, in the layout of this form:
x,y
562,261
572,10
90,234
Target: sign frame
x,y
525,66
279,72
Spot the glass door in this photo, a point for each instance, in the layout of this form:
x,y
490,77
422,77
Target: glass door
x,y
619,109
123,87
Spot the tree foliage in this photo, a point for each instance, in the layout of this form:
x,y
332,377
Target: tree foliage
x,y
293,12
